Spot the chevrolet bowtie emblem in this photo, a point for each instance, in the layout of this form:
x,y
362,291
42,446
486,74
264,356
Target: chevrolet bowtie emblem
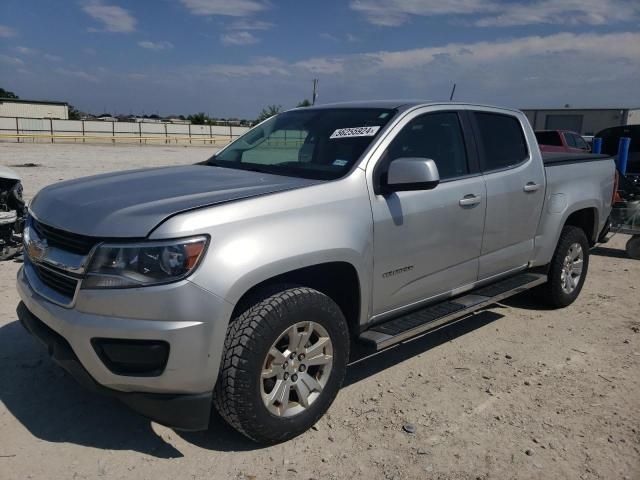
x,y
35,246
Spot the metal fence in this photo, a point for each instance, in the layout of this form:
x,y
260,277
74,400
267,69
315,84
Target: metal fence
x,y
18,129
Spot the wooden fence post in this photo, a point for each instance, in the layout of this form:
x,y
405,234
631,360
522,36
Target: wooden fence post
x,y
51,128
82,130
140,132
17,130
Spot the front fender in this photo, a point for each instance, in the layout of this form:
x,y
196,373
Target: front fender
x,y
257,239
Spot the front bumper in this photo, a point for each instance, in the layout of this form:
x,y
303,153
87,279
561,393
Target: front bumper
x,y
190,319
184,412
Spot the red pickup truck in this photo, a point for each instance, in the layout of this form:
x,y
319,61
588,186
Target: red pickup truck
x,y
561,141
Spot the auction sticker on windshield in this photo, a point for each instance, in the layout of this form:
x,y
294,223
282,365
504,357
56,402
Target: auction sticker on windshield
x,y
355,132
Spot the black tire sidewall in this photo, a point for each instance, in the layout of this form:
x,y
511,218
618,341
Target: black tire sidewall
x,y
633,247
568,237
298,304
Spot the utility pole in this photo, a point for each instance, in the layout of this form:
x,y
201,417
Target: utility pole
x,y
315,91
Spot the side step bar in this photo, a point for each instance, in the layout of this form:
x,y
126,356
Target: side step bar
x,y
421,321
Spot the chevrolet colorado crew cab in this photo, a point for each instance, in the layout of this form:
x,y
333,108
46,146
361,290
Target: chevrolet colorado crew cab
x,y
242,282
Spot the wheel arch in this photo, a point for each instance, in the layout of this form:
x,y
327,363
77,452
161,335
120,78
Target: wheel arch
x,y
586,219
339,280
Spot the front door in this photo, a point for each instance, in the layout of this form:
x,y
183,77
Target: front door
x,y
427,243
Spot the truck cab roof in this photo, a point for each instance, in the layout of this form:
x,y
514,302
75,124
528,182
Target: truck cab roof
x,y
399,104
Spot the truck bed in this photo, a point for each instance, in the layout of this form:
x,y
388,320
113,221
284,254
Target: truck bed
x,y
552,158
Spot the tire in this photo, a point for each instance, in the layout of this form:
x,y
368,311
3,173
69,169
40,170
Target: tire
x,y
557,293
244,398
633,247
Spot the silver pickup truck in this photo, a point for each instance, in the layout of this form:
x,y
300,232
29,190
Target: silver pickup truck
x,y
242,282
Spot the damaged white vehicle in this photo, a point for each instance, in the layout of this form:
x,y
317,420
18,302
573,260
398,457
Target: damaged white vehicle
x,y
12,214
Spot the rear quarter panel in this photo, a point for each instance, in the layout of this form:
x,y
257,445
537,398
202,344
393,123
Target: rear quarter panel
x,y
572,187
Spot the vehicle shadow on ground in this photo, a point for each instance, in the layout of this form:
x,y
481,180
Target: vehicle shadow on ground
x,y
365,363
524,301
609,252
54,408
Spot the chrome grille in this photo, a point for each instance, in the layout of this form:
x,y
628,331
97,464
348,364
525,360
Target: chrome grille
x,y
56,281
64,240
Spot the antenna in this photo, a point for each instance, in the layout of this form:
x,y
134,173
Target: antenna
x,y
453,91
315,91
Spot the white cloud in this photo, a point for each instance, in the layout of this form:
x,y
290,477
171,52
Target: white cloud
x,y
89,51
114,18
6,32
26,50
327,66
52,58
136,76
567,12
251,70
352,38
329,36
244,24
161,45
525,71
613,45
10,60
238,38
82,75
232,8
392,13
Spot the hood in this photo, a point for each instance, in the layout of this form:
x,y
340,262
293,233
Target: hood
x,y
132,203
8,174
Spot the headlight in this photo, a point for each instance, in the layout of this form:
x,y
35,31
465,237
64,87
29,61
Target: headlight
x,y
142,264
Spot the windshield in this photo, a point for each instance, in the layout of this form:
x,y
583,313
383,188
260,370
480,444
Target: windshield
x,y
317,144
549,138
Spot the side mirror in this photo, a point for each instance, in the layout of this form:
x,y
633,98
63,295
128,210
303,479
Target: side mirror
x,y
407,174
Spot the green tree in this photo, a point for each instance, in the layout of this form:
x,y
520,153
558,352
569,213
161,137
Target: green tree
x,y
74,114
268,111
304,103
199,118
7,94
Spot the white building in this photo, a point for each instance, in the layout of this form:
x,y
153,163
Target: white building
x,y
12,107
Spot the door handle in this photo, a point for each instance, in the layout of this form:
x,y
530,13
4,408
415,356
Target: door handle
x,y
531,187
470,200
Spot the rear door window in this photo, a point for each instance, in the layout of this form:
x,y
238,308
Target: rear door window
x,y
501,141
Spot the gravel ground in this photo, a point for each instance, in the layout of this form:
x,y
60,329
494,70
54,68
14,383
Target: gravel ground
x,y
516,391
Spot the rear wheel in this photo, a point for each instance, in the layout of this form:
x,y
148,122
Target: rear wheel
x,y
285,359
568,269
633,247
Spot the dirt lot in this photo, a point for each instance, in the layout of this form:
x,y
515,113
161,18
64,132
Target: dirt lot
x,y
513,392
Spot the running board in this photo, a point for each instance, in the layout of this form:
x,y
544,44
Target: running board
x,y
421,321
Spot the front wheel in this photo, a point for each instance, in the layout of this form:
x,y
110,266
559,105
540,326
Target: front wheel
x,y
284,361
568,269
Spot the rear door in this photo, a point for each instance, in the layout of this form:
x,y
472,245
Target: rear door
x,y
515,182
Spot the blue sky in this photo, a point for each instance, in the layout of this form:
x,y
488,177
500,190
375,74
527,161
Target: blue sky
x,y
232,57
